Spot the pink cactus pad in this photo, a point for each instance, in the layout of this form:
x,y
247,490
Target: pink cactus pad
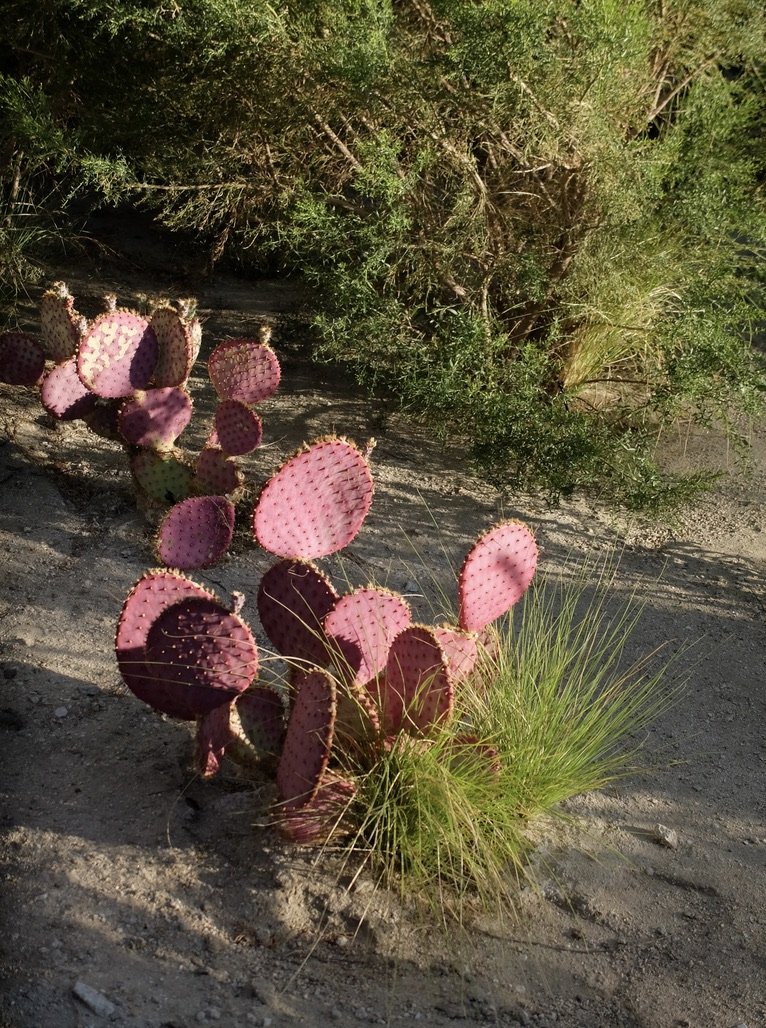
x,y
117,354
308,740
323,817
357,722
196,532
244,369
149,597
316,503
22,361
363,624
294,597
415,690
215,473
63,395
155,418
461,650
199,656
495,574
59,324
213,736
176,350
238,430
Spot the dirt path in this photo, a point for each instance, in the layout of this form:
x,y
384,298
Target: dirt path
x,y
123,875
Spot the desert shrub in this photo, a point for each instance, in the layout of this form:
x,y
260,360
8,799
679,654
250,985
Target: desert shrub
x,y
539,224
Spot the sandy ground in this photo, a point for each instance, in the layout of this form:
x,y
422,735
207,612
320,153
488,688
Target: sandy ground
x,y
165,898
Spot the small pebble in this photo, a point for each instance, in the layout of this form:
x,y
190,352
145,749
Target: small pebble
x,y
665,836
94,1000
60,712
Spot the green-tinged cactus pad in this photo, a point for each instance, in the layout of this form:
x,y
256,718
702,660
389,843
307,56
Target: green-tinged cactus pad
x,y
60,324
214,472
176,350
63,394
22,361
152,594
244,369
155,418
117,354
316,503
495,574
308,740
294,597
415,691
357,721
238,430
363,624
323,817
461,650
196,532
162,477
200,656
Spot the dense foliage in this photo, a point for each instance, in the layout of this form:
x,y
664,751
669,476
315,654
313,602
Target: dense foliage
x,y
539,222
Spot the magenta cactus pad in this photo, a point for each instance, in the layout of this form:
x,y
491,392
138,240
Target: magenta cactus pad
x,y
294,597
117,354
461,650
244,369
316,503
308,740
22,361
199,656
363,624
214,472
238,430
415,690
59,324
155,418
63,394
323,817
495,574
196,532
175,348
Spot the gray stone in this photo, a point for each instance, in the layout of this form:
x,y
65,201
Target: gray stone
x,y
94,1000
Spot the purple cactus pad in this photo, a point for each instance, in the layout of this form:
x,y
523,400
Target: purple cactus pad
x,y
461,650
308,740
59,324
117,354
363,624
22,361
214,472
323,817
415,691
63,395
196,532
199,656
155,418
214,734
244,369
316,503
238,430
176,351
495,574
294,597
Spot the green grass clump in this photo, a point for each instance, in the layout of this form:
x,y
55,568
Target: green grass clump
x,y
553,714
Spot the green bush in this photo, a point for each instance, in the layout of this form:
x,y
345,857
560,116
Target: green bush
x,y
539,223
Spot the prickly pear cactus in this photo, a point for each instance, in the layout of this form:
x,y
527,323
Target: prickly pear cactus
x,y
117,354
60,325
162,477
63,394
415,692
363,624
495,574
316,503
461,651
214,472
294,597
196,533
176,355
325,816
155,418
238,429
245,370
22,361
308,740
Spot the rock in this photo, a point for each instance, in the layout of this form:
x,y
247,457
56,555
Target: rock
x,y
665,836
60,712
94,1000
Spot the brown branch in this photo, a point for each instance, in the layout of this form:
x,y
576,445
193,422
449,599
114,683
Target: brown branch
x,y
660,107
338,143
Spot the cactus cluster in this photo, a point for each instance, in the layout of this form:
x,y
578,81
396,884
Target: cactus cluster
x,y
362,678
126,377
